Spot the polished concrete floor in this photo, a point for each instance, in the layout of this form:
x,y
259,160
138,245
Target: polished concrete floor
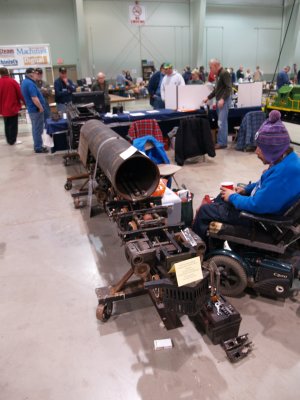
x,y
52,257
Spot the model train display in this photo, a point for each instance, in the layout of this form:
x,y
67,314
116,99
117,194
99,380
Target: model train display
x,y
287,100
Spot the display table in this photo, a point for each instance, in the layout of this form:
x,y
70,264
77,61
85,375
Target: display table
x,y
167,119
120,123
159,115
235,117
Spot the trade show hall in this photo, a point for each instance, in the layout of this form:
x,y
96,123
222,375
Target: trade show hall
x,y
53,256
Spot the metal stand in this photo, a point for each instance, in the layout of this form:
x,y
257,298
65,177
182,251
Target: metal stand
x,y
123,290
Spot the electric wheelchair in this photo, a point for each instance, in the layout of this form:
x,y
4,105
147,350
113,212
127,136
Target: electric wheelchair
x,y
264,256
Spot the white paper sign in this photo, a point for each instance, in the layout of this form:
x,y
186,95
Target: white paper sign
x,y
171,97
128,152
190,97
188,271
249,94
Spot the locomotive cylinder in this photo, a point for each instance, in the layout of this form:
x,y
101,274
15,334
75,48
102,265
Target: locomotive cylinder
x,y
133,175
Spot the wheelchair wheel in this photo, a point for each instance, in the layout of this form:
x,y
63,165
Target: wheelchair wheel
x,y
233,279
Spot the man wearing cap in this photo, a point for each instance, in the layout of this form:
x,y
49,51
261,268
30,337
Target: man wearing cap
x,y
35,104
64,88
45,90
276,190
10,105
222,93
171,77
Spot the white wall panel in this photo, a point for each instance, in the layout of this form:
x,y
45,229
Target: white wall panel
x,y
250,34
268,47
241,26
43,21
115,45
213,37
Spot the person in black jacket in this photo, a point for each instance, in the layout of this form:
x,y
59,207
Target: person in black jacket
x,y
64,88
102,85
187,74
154,88
240,73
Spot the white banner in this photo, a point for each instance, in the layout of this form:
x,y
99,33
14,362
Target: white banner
x,y
24,56
137,14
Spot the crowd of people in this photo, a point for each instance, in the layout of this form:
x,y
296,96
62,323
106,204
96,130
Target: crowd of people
x,y
35,92
276,190
125,80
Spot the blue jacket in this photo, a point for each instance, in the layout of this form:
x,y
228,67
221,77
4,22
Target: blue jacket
x,y
282,79
187,76
157,153
153,85
63,93
29,89
277,189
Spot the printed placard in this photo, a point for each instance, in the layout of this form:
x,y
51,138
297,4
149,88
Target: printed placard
x,y
188,271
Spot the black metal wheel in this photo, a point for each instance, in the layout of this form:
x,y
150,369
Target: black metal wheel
x,y
68,185
66,162
233,279
104,311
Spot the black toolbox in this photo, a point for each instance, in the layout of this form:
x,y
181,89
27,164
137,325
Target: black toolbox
x,y
219,320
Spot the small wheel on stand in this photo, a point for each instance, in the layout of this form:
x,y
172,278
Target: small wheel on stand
x,y
68,185
66,161
78,203
104,311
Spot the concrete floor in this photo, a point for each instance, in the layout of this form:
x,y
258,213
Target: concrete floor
x,y
53,257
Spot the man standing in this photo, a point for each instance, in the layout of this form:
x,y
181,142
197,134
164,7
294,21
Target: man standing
x,y
239,73
222,92
64,88
257,76
10,104
45,90
154,88
102,85
283,78
171,77
187,74
35,104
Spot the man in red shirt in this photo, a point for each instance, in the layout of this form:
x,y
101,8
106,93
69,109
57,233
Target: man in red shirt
x,y
10,104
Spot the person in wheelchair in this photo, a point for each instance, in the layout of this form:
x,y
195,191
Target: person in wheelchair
x,y
276,190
